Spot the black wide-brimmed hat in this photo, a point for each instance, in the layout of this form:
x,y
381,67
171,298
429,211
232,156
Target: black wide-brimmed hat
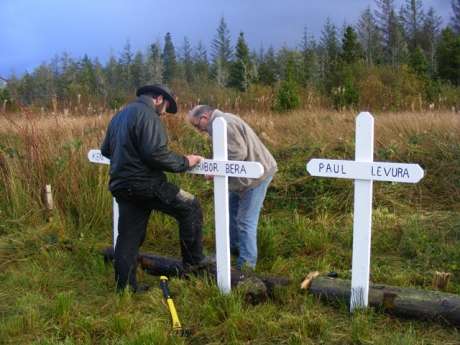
x,y
158,89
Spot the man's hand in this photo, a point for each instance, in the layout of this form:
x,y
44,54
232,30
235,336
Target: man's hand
x,y
193,160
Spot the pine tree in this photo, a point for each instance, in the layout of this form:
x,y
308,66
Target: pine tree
x,y
169,60
240,68
309,59
221,53
268,69
125,61
369,37
138,75
431,30
391,31
449,56
87,77
155,66
287,97
329,54
455,19
418,62
351,48
201,64
412,17
187,60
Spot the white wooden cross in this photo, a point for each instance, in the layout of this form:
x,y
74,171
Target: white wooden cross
x,y
221,168
364,171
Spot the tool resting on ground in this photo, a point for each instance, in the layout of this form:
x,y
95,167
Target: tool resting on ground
x,y
176,325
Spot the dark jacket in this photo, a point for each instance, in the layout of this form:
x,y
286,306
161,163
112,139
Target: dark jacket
x,y
137,145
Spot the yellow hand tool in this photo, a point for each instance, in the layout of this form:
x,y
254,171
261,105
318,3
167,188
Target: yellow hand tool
x,y
176,325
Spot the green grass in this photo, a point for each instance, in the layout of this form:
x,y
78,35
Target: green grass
x,y
56,289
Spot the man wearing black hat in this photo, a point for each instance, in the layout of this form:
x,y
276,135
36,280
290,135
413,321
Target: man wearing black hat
x,y
136,144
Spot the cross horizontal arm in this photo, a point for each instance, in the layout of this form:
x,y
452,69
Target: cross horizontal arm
x,y
377,171
228,168
95,156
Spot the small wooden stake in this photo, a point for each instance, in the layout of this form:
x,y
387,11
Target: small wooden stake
x,y
49,203
441,280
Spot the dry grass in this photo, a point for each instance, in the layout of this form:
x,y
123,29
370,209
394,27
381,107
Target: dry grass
x,y
55,289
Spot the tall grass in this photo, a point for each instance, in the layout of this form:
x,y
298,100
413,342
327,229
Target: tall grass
x,y
55,288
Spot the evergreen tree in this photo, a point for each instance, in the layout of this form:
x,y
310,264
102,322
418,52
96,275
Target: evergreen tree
x,y
455,19
138,75
155,66
418,62
169,60
240,68
431,29
391,31
99,77
449,56
369,37
221,53
112,74
309,59
87,77
287,97
351,48
187,60
201,64
268,68
43,85
125,61
329,53
412,17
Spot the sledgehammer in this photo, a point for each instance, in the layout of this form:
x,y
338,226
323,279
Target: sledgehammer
x,y
176,325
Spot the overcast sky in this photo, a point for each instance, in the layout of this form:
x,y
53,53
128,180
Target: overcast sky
x,y
33,31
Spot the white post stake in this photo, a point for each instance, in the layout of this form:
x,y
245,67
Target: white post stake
x,y
219,145
95,156
362,218
364,171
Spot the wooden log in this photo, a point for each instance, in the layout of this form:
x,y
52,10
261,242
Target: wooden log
x,y
256,288
403,302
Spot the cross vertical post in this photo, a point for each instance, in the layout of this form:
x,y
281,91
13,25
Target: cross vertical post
x,y
362,218
219,145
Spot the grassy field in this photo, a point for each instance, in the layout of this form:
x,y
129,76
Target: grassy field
x,y
56,289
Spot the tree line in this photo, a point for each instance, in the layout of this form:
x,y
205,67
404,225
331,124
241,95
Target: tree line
x,y
389,59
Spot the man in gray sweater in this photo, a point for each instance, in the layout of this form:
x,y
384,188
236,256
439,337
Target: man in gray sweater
x,y
246,195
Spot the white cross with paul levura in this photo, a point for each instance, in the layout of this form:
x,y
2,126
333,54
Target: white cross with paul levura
x,y
221,168
364,171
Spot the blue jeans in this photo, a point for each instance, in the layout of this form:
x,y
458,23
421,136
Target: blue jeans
x,y
244,216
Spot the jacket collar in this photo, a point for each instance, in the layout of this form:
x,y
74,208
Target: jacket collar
x,y
148,101
216,113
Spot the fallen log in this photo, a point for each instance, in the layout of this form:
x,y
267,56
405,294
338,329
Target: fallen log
x,y
403,302
256,288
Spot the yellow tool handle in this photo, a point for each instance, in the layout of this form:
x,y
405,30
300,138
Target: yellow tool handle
x,y
172,308
174,316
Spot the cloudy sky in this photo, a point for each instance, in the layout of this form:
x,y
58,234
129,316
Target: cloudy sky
x,y
34,31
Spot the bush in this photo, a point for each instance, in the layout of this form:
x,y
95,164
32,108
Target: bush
x,y
287,97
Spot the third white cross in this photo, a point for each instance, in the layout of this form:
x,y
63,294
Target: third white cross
x,y
364,171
